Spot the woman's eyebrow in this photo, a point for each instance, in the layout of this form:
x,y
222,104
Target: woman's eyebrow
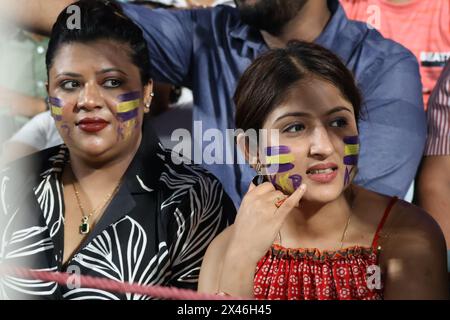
x,y
69,74
293,114
338,109
111,70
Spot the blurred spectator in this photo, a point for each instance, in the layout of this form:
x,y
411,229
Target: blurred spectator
x,y
22,79
208,3
37,134
423,26
434,177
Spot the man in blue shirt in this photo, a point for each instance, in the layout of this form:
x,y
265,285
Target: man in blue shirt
x,y
208,49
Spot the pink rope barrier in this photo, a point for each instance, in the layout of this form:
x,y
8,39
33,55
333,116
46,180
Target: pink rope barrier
x,y
155,291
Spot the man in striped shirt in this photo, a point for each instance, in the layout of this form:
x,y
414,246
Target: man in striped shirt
x,y
434,177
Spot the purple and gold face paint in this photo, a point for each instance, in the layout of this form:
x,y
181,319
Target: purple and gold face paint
x,y
280,160
127,112
55,108
351,152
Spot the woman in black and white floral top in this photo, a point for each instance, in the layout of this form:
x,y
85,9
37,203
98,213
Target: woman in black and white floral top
x,y
110,202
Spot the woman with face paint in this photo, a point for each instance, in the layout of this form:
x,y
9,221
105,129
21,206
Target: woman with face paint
x,y
303,230
111,201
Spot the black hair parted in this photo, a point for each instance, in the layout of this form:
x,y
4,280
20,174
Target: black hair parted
x,y
264,84
100,20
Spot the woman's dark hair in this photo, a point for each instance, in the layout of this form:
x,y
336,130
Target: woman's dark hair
x,y
99,20
264,84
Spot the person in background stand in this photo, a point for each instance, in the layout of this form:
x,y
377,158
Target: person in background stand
x,y
434,175
22,79
422,26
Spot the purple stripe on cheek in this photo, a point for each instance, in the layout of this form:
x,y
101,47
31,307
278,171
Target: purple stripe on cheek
x,y
129,96
125,116
279,168
296,181
55,101
351,160
57,118
351,140
271,151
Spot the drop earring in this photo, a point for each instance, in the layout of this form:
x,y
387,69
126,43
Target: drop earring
x,y
259,178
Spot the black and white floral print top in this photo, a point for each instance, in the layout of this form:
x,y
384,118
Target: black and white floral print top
x,y
155,230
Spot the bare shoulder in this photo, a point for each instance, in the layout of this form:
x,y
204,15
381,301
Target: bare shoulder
x,y
412,223
413,255
408,224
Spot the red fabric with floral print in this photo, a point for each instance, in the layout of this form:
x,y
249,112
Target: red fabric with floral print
x,y
309,274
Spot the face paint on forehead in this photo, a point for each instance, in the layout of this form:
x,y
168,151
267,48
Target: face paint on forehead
x,y
56,108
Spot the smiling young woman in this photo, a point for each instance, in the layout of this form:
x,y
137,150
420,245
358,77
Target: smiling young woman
x,y
308,232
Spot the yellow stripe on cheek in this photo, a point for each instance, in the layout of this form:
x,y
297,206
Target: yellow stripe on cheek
x,y
57,111
128,105
351,149
281,159
285,183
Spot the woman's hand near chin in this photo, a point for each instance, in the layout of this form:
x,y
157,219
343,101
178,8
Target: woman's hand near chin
x,y
256,226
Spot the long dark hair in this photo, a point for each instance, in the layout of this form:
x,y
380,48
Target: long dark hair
x,y
100,20
264,84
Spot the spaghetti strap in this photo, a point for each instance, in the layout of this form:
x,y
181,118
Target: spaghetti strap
x,y
382,222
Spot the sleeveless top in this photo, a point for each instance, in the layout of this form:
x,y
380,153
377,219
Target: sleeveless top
x,y
310,274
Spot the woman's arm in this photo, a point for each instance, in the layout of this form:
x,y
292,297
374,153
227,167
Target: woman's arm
x,y
211,270
415,258
227,270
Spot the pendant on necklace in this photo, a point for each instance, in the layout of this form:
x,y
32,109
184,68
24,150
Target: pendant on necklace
x,y
84,226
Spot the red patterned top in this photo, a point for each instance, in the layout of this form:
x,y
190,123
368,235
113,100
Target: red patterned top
x,y
309,274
